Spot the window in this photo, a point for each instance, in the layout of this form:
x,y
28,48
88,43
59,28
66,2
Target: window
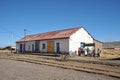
x,y
82,44
43,46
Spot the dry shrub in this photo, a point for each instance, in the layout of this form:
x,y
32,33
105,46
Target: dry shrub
x,y
110,53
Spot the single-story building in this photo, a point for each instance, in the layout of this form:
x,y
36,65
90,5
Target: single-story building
x,y
67,40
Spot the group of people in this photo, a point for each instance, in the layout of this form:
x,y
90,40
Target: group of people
x,y
89,52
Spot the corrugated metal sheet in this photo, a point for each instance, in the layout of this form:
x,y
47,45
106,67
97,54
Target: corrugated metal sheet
x,y
50,35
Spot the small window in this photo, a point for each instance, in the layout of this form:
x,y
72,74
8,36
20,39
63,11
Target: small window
x,y
43,46
82,44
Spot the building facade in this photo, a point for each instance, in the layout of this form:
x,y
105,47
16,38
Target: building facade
x,y
68,40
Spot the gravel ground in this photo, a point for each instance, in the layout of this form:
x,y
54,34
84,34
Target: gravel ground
x,y
17,70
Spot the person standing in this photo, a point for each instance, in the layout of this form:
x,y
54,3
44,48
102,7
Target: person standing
x,y
79,51
88,51
98,52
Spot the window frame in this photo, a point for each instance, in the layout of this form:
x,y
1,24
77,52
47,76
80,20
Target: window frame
x,y
43,46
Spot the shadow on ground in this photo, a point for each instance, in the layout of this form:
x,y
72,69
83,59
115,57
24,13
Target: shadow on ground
x,y
115,58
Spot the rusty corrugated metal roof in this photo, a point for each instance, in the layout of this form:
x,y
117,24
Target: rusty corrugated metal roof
x,y
60,34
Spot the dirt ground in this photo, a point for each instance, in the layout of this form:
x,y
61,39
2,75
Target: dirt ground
x,y
17,70
84,64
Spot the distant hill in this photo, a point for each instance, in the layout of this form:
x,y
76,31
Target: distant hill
x,y
115,44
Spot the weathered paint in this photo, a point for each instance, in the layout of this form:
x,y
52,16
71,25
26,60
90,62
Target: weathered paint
x,y
70,44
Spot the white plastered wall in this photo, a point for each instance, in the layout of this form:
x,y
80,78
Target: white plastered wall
x,y
28,46
64,45
18,46
79,36
41,48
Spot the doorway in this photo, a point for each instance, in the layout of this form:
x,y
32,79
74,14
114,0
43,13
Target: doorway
x,y
50,46
20,47
32,47
57,47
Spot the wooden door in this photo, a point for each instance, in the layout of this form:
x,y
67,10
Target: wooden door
x,y
50,46
37,46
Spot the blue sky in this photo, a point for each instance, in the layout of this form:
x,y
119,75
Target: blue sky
x,y
101,18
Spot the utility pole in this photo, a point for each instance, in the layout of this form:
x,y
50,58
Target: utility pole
x,y
11,40
24,38
25,32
